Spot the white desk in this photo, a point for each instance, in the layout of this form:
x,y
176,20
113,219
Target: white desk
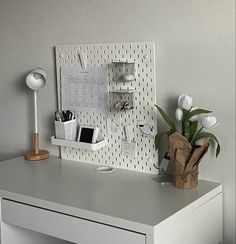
x,y
71,201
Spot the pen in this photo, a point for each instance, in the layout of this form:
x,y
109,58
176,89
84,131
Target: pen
x,y
64,116
57,116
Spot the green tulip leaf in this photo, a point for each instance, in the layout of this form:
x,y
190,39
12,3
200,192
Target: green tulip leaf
x,y
185,125
197,112
205,135
166,118
186,130
185,113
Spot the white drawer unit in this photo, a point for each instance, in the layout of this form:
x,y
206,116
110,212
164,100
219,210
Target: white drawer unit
x,y
66,227
63,202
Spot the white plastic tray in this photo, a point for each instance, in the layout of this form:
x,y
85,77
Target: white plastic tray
x,y
81,145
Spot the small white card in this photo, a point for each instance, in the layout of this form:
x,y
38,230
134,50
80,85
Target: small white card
x,y
128,148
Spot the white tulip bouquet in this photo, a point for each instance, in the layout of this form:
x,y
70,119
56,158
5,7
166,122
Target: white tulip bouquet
x,y
188,120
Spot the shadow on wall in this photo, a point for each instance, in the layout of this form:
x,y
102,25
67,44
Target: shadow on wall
x,y
18,86
6,156
22,88
161,125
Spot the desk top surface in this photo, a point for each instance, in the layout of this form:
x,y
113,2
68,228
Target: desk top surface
x,y
117,197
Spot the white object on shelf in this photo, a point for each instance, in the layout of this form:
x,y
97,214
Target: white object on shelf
x,y
123,99
81,145
65,130
124,70
128,77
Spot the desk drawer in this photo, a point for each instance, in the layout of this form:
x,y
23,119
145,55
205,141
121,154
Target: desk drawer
x,y
66,227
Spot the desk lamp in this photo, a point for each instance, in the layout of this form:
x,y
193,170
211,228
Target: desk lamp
x,y
36,80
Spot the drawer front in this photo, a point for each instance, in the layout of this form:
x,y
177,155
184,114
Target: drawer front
x,y
66,227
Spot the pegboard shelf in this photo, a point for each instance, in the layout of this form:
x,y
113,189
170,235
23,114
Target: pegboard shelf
x,y
126,79
80,145
123,91
124,70
124,62
123,99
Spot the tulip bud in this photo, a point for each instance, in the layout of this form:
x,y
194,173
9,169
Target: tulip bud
x,y
185,102
179,114
209,122
194,117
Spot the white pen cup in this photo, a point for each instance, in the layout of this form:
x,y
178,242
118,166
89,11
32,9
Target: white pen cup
x,y
66,130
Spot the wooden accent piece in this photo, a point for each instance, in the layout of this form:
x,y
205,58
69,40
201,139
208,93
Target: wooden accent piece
x,y
42,155
36,142
37,154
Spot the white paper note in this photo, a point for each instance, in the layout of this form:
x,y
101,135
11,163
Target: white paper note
x,y
84,90
113,126
128,149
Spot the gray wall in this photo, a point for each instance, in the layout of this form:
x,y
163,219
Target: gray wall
x,y
195,55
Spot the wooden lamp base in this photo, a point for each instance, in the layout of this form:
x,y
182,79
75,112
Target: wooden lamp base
x,y
41,155
37,154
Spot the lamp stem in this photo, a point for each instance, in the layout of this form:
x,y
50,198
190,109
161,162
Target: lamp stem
x,y
35,113
36,135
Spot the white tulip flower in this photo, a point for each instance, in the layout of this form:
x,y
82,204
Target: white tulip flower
x,y
185,102
209,122
194,117
179,114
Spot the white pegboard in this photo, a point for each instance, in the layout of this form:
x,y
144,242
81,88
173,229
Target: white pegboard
x,y
102,55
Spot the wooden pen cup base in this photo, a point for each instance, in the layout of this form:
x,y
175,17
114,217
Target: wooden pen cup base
x,y
41,155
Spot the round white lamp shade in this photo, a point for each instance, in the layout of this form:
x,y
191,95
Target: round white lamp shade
x,y
36,79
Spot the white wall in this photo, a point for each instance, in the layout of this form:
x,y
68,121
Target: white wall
x,y
194,54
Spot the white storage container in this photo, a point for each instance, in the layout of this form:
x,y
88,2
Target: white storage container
x,y
66,130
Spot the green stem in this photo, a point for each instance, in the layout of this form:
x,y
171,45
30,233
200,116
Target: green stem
x,y
183,122
197,134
